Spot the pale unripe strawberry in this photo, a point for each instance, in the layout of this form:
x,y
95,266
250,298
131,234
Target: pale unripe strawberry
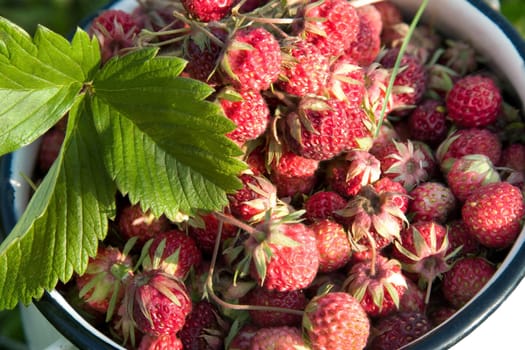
x,y
431,201
493,214
333,245
474,101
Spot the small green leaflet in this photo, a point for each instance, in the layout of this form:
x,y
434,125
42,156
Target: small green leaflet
x,y
159,141
39,80
64,220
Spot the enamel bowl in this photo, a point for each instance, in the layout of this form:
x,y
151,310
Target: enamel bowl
x,y
470,20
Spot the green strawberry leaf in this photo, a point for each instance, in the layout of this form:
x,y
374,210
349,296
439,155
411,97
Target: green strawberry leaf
x,y
165,146
40,79
66,217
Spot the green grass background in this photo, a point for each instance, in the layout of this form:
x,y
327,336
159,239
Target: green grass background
x,y
62,16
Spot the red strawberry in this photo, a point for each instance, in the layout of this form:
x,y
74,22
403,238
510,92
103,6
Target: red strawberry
x,y
104,279
428,122
336,32
293,174
203,53
346,81
168,341
262,297
409,162
203,328
323,205
319,129
493,214
411,81
422,250
205,229
413,300
378,286
367,45
469,173
157,303
459,236
336,321
173,252
278,338
397,192
49,148
248,110
347,176
333,245
431,201
132,221
377,79
284,254
396,330
465,279
252,59
390,12
474,101
115,30
468,141
305,69
208,10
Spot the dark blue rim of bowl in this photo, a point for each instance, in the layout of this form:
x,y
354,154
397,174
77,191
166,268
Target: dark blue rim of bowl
x,y
442,337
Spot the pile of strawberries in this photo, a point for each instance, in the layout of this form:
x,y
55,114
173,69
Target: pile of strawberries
x,y
371,212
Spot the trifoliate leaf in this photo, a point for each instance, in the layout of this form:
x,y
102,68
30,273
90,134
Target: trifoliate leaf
x,y
64,221
39,80
165,146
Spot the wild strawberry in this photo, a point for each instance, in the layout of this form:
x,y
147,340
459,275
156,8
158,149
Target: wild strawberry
x,y
431,201
428,122
257,196
205,229
157,302
252,59
396,192
115,30
346,81
409,162
362,128
468,141
424,40
332,243
389,11
248,110
422,250
459,56
413,300
410,82
101,286
374,218
49,148
469,173
132,221
278,338
323,205
493,214
319,129
377,79
474,101
208,10
459,236
347,176
305,69
203,53
173,252
336,321
283,254
398,329
365,48
378,285
373,16
162,342
465,279
262,297
293,174
203,328
339,28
